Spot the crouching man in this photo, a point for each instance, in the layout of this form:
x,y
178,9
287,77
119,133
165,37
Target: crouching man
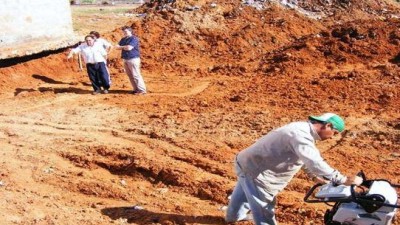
x,y
266,167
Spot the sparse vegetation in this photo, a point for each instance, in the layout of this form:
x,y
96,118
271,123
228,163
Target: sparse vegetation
x,y
87,18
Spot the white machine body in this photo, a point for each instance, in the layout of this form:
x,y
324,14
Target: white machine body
x,y
331,191
352,213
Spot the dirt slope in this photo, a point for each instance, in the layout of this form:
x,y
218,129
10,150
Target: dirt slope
x,y
218,78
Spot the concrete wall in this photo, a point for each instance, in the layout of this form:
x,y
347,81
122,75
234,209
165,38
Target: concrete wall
x,y
25,21
21,20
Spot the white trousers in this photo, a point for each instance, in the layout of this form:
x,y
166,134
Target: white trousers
x,y
248,196
132,69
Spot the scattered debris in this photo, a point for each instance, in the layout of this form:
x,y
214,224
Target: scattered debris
x,y
395,154
258,4
137,207
192,8
48,170
123,182
223,208
163,190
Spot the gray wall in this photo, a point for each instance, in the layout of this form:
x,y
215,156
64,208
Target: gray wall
x,y
24,21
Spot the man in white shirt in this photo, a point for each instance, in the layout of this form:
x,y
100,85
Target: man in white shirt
x,y
106,45
101,41
95,59
266,167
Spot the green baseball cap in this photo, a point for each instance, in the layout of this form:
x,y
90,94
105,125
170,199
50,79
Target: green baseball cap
x,y
335,120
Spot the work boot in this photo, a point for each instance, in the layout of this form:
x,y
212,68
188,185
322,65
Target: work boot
x,y
96,92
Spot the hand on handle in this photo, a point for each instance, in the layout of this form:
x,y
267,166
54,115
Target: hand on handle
x,y
354,180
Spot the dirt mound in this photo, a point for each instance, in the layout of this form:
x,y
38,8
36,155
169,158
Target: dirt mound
x,y
219,77
345,10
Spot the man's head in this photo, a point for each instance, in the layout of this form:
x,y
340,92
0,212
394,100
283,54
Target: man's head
x,y
327,125
95,34
127,31
89,39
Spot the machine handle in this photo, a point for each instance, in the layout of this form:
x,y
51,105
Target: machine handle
x,y
309,192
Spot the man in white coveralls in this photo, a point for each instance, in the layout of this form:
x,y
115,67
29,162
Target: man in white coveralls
x,y
266,167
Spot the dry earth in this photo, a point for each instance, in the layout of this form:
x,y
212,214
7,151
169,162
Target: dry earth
x,y
218,78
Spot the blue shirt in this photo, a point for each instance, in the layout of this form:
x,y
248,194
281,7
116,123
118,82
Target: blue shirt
x,y
132,41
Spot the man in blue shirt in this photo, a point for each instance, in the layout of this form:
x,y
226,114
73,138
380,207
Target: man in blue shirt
x,y
130,53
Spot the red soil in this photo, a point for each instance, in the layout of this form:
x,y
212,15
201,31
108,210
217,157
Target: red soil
x,y
218,79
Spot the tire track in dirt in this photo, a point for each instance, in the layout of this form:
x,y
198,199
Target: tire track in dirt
x,y
193,91
19,109
155,159
69,98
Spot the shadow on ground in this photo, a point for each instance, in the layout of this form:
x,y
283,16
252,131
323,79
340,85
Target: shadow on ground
x,y
54,90
47,79
142,216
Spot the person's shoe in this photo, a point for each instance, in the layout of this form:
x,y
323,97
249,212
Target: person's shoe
x,y
105,91
96,92
249,216
139,93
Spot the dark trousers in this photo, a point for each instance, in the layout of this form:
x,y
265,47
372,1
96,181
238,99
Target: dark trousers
x,y
98,75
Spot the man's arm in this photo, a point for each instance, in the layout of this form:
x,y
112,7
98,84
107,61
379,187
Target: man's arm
x,y
131,43
107,45
306,150
314,177
125,47
73,51
356,180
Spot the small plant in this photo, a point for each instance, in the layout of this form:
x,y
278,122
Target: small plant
x,y
88,1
